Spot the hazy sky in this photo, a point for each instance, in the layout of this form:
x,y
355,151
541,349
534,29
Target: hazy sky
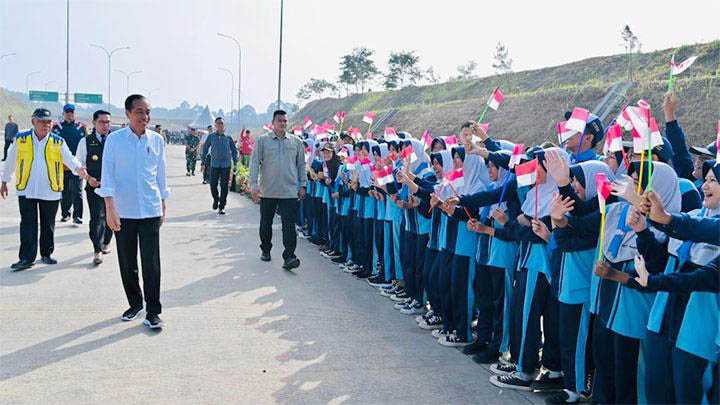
x,y
175,42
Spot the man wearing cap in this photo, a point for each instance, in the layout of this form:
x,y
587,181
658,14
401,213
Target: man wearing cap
x,y
89,153
11,129
581,147
71,132
36,158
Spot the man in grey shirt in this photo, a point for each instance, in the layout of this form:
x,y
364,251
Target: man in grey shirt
x,y
11,129
277,181
223,154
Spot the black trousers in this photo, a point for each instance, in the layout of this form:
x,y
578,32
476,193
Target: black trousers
x,y
8,142
146,232
100,233
489,285
287,208
29,209
72,196
221,175
206,169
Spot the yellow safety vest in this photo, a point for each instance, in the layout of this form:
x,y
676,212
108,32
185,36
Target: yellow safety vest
x,y
26,155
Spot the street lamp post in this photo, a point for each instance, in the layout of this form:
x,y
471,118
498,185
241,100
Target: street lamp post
x,y
27,80
239,72
232,86
109,56
127,78
280,56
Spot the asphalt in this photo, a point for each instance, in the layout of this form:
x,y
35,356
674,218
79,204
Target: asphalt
x,y
238,330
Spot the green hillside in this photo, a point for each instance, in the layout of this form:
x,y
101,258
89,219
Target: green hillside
x,y
536,99
11,105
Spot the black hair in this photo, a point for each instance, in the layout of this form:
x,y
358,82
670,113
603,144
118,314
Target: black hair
x,y
209,127
218,119
247,131
130,100
98,113
467,124
278,112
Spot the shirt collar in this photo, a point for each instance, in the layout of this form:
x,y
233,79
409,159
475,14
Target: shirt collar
x,y
277,137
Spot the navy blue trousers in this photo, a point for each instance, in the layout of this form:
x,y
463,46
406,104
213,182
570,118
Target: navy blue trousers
x,y
408,260
575,348
462,296
696,379
421,252
429,280
616,361
489,299
444,274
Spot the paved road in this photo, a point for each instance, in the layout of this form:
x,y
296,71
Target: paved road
x,y
238,330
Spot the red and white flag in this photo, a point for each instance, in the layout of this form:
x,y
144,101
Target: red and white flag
x,y
307,122
613,143
517,154
526,173
297,131
339,116
451,141
390,134
308,154
369,117
408,153
577,120
655,136
638,118
427,139
386,175
604,188
496,99
456,178
563,132
639,142
351,162
355,133
624,120
677,68
484,127
268,127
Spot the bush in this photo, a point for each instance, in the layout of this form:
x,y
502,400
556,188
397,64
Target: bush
x,y
242,179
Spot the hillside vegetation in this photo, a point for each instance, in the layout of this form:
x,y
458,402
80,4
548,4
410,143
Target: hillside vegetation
x,y
536,99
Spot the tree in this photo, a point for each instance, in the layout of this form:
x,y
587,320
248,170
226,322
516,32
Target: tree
x,y
632,45
503,62
402,68
466,71
315,87
431,77
356,69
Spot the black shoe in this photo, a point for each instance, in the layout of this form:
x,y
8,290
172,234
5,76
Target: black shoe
x,y
215,205
474,348
265,256
221,212
363,274
65,218
545,383
486,357
291,263
48,260
22,265
512,381
153,321
77,221
563,397
131,314
339,259
204,182
187,174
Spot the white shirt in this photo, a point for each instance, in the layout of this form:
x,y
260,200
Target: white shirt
x,y
38,186
81,151
133,173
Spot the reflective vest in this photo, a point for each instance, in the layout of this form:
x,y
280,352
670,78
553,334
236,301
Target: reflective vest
x,y
26,156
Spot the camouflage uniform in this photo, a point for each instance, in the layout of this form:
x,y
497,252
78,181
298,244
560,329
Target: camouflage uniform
x,y
191,146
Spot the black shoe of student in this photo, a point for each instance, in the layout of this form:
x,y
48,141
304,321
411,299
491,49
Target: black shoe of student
x,y
215,205
22,265
291,263
65,218
153,321
363,274
545,383
48,260
265,256
474,348
486,357
338,259
131,314
562,397
221,212
77,221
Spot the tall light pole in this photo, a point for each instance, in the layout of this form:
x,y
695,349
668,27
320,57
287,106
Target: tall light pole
x,y
232,85
109,56
239,76
127,79
280,57
27,80
67,51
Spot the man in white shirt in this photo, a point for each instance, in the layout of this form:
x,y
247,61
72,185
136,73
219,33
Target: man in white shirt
x,y
90,153
134,188
37,158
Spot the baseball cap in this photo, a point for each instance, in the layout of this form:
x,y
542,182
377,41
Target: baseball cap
x,y
69,107
42,114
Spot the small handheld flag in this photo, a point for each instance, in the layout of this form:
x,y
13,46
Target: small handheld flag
x,y
268,127
456,178
496,99
563,132
339,116
613,143
517,154
451,141
408,153
307,122
369,117
351,162
577,120
526,173
427,139
484,128
603,189
390,134
297,131
677,68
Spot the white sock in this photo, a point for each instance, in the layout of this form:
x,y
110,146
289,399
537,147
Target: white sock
x,y
572,396
554,374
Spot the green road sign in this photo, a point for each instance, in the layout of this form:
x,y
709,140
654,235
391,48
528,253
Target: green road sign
x,y
51,96
88,98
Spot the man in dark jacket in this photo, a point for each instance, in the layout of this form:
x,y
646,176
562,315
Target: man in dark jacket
x,y
11,129
71,132
223,155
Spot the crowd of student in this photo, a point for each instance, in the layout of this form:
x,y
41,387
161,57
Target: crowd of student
x,y
521,277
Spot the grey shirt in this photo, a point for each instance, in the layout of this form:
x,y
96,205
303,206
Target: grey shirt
x,y
11,129
277,166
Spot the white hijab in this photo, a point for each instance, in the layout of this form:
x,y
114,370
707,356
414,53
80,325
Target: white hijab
x,y
544,192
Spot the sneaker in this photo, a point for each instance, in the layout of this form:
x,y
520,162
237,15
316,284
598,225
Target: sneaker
x,y
221,212
502,369
388,292
378,281
400,297
414,308
291,263
548,381
437,333
486,357
77,221
475,348
514,381
338,259
452,340
563,397
363,274
22,265
435,322
334,255
353,268
105,249
131,314
65,219
97,260
153,321
187,174
429,314
402,304
215,204
48,260
265,256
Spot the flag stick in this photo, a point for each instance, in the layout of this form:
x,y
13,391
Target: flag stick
x,y
537,192
502,193
482,115
640,176
458,196
650,171
602,234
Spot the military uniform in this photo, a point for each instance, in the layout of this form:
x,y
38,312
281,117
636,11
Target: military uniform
x,y
191,152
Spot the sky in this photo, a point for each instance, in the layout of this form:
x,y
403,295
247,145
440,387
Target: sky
x,y
175,43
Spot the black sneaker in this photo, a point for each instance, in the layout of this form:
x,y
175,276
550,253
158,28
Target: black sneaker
x,y
512,381
77,221
486,357
476,347
153,321
363,274
48,260
265,256
22,265
65,218
221,212
502,368
546,383
291,263
563,397
338,259
215,204
131,314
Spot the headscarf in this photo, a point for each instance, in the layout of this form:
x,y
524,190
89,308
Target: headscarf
x,y
476,175
585,172
437,140
422,157
445,158
544,193
506,145
501,160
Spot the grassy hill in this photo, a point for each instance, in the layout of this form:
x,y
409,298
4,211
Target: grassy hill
x,y
11,105
536,99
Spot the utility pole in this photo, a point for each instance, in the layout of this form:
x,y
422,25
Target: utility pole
x,y
232,86
109,56
127,79
67,51
280,57
239,75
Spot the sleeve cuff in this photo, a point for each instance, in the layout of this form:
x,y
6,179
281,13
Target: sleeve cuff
x,y
105,192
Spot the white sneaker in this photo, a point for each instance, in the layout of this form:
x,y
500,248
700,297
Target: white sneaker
x,y
437,333
451,340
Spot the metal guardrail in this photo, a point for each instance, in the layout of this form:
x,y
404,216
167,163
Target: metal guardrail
x,y
383,119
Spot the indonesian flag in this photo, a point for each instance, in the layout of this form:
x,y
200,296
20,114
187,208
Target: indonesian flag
x,y
517,154
390,134
563,132
577,120
526,173
369,117
408,153
308,153
624,120
639,142
677,68
638,117
307,122
451,141
365,161
351,162
613,143
427,139
355,133
496,99
297,131
383,175
339,116
268,127
320,132
655,137
456,178
604,188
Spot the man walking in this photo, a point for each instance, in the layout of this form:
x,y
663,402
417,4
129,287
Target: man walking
x,y
11,129
37,157
71,132
277,181
191,152
134,188
223,154
246,147
90,153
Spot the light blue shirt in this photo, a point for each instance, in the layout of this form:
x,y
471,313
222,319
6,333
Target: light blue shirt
x,y
133,173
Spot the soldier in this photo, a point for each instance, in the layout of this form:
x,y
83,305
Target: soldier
x,y
71,132
191,151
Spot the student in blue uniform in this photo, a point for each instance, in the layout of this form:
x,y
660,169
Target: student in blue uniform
x,y
366,211
331,165
581,147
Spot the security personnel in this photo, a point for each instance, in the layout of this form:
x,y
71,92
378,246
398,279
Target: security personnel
x,y
191,151
71,132
90,153
37,157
